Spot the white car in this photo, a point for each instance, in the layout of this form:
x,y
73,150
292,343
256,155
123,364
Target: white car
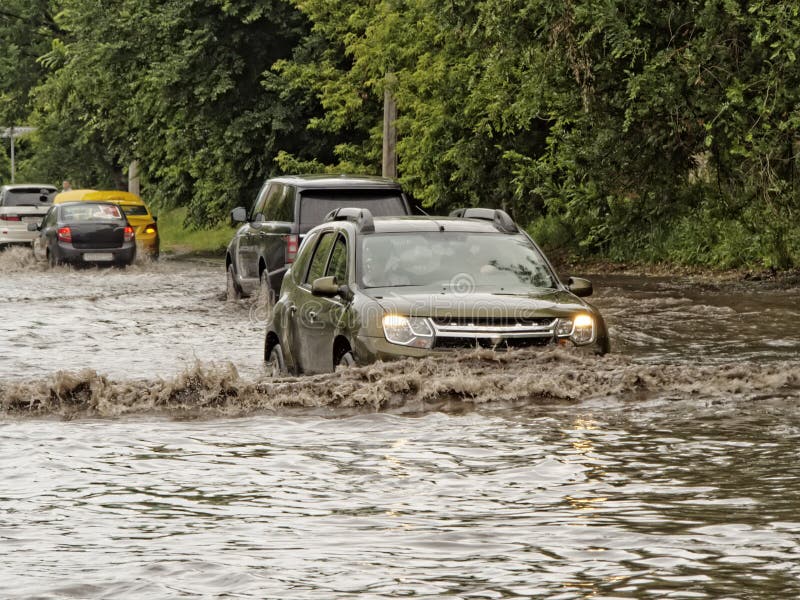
x,y
21,204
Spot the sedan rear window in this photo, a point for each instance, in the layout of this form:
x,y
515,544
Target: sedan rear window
x,y
91,212
29,197
135,210
315,204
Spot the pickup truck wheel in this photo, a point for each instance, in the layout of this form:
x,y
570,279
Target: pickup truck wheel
x,y
275,364
265,294
232,289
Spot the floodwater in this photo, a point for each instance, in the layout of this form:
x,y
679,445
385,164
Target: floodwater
x,y
146,454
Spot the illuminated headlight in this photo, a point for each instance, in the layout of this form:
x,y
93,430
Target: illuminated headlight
x,y
580,329
408,331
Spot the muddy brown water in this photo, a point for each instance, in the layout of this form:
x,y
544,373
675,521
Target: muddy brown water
x,y
146,454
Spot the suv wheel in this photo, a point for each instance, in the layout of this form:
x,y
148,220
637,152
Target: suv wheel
x,y
275,364
344,360
232,289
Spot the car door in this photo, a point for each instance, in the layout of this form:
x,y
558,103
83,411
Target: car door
x,y
332,312
310,348
247,246
42,239
271,233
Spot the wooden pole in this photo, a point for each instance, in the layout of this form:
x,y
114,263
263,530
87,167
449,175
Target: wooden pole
x,y
133,178
13,166
389,166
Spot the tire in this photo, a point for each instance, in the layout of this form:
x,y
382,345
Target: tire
x,y
52,260
344,360
275,364
232,290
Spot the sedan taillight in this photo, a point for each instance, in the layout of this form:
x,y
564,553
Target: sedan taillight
x,y
128,232
10,218
65,234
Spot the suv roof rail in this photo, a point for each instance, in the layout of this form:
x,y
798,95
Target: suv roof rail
x,y
362,217
499,218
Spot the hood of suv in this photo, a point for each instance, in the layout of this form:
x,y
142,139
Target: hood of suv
x,y
548,303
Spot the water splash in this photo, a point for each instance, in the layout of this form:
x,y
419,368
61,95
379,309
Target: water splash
x,y
477,377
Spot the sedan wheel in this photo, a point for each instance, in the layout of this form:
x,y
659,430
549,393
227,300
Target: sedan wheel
x,y
52,260
232,289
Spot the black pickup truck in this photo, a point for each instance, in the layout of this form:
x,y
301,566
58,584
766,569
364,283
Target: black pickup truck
x,y
266,244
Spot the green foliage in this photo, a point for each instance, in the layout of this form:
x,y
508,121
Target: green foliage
x,y
631,129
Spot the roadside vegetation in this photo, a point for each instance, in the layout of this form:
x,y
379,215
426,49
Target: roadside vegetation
x,y
626,130
176,238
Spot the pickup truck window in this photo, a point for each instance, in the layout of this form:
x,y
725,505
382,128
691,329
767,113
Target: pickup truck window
x,y
258,205
315,204
279,205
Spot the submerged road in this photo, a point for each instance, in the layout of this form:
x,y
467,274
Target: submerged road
x,y
146,454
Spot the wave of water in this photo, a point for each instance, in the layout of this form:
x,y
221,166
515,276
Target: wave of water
x,y
476,377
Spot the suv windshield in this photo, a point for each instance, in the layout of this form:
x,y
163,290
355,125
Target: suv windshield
x,y
29,197
454,261
316,204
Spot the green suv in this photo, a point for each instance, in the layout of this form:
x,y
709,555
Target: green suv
x,y
364,289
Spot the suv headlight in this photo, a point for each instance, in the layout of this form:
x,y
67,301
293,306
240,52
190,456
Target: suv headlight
x,y
580,329
408,331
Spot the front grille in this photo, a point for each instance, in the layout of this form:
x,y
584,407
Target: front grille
x,y
444,343
492,332
449,322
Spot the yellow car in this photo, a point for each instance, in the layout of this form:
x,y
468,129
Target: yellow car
x,y
139,216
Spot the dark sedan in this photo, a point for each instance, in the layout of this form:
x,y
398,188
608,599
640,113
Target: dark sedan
x,y
85,233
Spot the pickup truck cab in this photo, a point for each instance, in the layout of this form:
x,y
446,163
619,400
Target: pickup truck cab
x,y
265,245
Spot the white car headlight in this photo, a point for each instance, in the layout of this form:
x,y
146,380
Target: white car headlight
x,y
408,331
580,329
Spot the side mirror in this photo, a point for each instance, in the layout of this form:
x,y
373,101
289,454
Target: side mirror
x,y
329,287
34,226
325,286
579,286
239,215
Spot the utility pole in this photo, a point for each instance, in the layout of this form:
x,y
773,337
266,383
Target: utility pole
x,y
133,177
14,132
389,166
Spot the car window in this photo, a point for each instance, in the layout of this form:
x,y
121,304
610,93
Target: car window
x,y
91,212
50,218
303,257
278,206
320,259
316,204
453,260
29,197
337,266
258,205
135,210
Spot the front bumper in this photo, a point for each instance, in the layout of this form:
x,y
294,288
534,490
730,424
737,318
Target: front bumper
x,y
371,349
